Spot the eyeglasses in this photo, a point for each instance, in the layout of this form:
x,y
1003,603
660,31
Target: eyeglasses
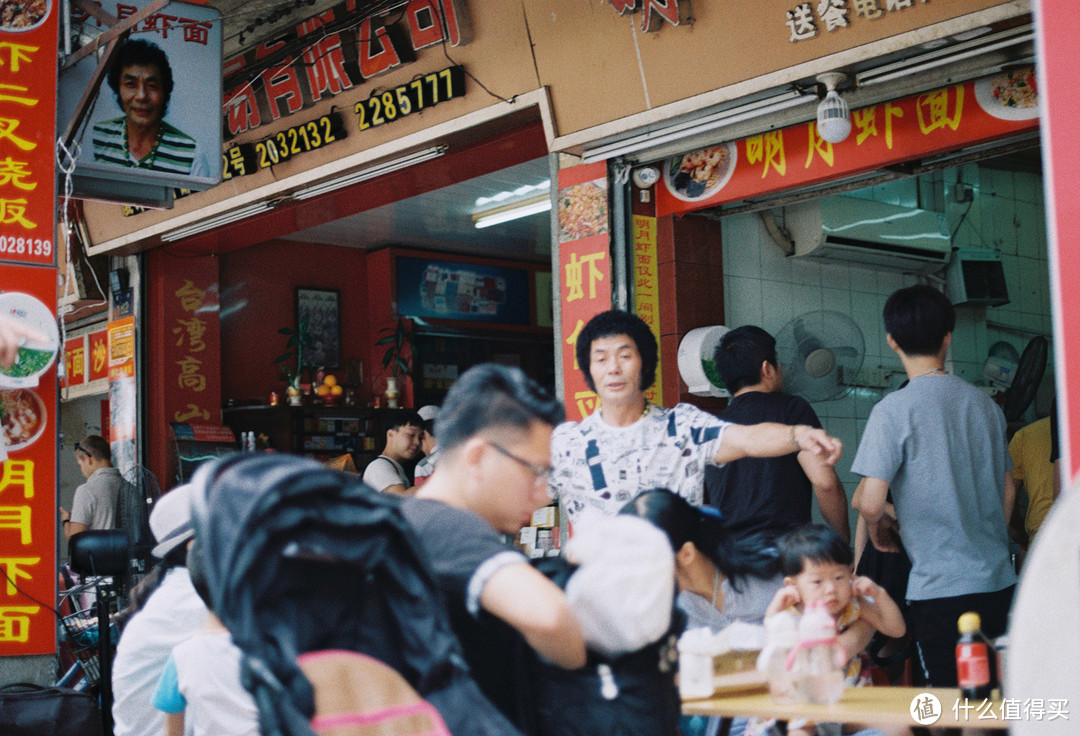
x,y
542,472
80,448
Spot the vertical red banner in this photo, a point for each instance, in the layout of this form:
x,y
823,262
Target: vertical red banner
x,y
192,346
584,271
28,479
28,38
1059,58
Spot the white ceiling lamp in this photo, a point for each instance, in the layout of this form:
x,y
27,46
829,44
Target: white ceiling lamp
x,y
370,173
212,222
696,126
833,113
515,211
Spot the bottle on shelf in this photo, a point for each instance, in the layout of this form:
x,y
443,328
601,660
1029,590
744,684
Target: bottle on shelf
x,y
976,668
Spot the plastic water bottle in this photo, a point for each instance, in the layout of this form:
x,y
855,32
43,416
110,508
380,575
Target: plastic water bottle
x,y
976,668
818,679
781,636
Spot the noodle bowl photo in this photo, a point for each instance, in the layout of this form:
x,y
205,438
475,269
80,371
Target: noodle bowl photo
x,y
22,416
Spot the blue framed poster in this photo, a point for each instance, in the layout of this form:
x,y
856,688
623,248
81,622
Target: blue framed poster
x,y
463,291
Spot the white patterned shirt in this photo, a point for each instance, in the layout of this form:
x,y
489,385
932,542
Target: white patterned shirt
x,y
599,466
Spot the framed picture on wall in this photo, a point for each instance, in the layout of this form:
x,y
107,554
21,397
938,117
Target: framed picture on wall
x,y
318,312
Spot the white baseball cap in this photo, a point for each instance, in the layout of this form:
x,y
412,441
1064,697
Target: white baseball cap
x,y
428,413
170,521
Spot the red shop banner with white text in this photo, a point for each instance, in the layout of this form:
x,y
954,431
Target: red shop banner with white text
x,y
28,38
584,271
921,125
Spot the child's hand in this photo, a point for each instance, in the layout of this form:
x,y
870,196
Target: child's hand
x,y
784,599
864,587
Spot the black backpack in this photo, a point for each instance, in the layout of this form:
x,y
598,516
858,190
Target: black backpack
x,y
298,558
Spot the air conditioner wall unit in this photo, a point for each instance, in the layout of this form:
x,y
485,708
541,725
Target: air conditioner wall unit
x,y
871,234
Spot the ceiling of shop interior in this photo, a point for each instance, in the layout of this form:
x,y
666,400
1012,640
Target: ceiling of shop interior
x,y
442,220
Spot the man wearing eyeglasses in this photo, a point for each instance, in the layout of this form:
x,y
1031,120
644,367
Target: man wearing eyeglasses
x,y
494,432
94,505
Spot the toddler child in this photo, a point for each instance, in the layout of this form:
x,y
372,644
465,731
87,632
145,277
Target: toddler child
x,y
817,568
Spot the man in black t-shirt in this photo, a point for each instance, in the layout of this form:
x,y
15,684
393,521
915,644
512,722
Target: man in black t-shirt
x,y
494,429
769,495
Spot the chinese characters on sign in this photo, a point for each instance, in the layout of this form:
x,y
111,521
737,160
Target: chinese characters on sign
x,y
28,494
646,291
27,227
807,18
899,130
584,272
188,333
654,12
335,61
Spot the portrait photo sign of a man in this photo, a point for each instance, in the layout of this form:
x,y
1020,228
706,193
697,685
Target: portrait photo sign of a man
x,y
157,116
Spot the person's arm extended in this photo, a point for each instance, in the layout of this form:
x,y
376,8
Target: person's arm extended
x,y
174,724
539,610
869,501
769,439
829,492
399,489
71,528
1010,496
855,638
882,612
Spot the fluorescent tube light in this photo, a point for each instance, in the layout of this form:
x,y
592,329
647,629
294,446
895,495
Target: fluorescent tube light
x,y
948,55
211,222
370,173
696,126
516,211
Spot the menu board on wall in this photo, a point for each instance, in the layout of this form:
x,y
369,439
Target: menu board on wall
x,y
472,292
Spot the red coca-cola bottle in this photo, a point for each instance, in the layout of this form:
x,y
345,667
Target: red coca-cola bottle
x,y
976,667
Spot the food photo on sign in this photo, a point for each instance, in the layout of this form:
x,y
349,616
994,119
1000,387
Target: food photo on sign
x,y
156,119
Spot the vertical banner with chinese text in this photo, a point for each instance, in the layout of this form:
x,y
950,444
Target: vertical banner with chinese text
x,y
28,38
122,389
644,272
28,485
585,271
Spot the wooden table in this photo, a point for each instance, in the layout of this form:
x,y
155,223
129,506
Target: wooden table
x,y
873,706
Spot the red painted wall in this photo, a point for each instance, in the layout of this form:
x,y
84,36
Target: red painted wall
x,y
258,297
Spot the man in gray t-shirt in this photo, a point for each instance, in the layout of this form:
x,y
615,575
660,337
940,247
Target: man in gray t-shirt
x,y
94,505
938,445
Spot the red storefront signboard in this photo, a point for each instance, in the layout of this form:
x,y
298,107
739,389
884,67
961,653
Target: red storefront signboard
x,y
584,271
28,490
74,362
98,355
28,285
921,125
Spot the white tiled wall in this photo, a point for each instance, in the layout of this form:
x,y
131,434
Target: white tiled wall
x,y
767,288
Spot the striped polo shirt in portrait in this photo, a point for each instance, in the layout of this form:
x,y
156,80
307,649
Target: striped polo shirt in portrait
x,y
173,152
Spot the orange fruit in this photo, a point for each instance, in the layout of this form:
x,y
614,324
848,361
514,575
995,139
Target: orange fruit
x,y
323,390
330,380
336,390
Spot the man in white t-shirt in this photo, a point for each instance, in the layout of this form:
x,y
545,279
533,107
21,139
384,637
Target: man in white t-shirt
x,y
386,472
629,446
